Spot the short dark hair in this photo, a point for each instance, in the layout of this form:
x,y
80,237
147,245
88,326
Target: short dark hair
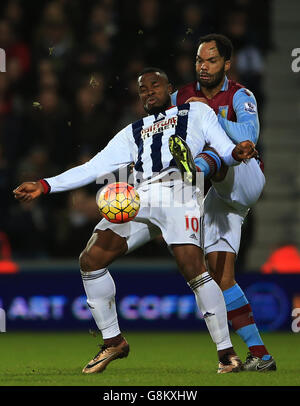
x,y
151,69
223,43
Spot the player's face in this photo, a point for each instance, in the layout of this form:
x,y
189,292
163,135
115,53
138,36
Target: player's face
x,y
210,65
154,92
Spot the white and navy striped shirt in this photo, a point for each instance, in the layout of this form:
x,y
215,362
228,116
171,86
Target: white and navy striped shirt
x,y
146,143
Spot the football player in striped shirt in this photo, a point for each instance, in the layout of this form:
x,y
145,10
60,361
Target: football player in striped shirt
x,y
146,143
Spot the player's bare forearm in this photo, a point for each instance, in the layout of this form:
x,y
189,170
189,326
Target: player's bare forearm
x,y
28,191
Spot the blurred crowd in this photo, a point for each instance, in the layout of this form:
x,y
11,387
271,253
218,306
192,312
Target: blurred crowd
x,y
70,85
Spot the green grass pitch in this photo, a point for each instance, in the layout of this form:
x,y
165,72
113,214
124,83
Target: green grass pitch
x,y
156,359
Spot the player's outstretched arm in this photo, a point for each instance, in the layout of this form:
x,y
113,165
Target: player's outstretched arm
x,y
28,191
116,154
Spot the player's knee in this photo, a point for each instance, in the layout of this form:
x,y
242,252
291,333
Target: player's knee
x,y
191,270
224,279
217,276
226,282
89,262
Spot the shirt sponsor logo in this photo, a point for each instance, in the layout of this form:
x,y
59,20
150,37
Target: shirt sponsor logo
x,y
161,116
159,127
183,112
250,108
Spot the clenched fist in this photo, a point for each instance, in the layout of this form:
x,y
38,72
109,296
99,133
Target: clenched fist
x,y
244,150
28,191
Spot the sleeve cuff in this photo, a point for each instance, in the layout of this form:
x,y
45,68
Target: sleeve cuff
x,y
230,160
46,186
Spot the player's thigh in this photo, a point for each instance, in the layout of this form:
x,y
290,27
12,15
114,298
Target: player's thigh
x,y
221,266
243,185
102,249
249,183
178,215
136,232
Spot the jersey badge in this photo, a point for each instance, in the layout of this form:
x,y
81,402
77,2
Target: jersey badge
x,y
250,107
223,110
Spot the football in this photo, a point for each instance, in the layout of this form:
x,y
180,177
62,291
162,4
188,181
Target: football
x,y
118,202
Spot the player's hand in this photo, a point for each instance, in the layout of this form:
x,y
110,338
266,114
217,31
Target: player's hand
x,y
244,150
28,191
197,99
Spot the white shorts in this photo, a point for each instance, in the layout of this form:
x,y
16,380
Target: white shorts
x,y
226,206
222,224
161,214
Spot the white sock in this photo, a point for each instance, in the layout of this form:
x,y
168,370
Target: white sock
x,y
210,301
100,291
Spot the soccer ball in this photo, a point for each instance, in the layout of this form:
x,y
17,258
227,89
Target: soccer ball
x,y
118,202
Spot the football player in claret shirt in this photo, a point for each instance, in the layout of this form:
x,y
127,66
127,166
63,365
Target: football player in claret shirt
x,y
146,143
234,190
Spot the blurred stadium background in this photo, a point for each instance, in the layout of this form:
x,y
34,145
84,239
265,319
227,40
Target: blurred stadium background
x,y
70,85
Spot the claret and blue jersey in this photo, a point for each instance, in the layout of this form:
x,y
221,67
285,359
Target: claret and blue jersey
x,y
234,105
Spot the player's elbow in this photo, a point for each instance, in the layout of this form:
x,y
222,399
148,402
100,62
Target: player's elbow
x,y
254,133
